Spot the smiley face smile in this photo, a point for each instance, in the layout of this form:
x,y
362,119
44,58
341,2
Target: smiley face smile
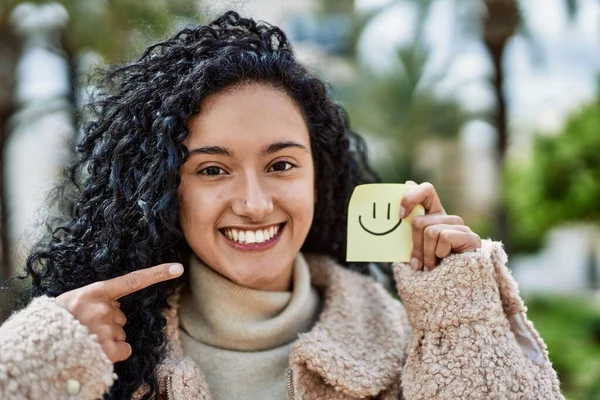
x,y
374,217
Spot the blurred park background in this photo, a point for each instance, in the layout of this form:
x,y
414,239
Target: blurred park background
x,y
496,102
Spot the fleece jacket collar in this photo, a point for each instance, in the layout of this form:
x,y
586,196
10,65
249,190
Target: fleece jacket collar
x,y
356,348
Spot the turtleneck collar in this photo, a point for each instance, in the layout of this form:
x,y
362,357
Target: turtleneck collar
x,y
220,313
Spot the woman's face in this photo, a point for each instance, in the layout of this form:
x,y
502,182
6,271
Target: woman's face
x,y
247,190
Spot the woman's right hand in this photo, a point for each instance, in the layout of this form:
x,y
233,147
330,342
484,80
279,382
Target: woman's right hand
x,y
96,305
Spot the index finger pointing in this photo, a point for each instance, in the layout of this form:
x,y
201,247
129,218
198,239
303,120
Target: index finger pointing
x,y
137,280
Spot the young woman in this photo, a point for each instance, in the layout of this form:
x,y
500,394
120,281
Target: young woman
x,y
201,253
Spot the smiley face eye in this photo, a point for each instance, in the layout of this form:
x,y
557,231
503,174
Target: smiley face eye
x,y
375,213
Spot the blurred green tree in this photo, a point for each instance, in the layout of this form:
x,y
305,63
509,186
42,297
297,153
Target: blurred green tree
x,y
496,22
115,30
560,184
10,48
570,327
402,110
500,21
398,108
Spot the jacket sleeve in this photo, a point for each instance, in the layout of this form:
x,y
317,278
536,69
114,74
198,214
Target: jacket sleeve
x,y
45,353
471,336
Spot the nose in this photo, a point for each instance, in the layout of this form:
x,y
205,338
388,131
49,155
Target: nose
x,y
253,202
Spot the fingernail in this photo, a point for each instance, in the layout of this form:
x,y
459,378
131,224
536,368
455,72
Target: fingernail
x,y
414,263
402,212
176,269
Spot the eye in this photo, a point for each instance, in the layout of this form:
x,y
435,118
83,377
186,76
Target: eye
x,y
212,171
281,166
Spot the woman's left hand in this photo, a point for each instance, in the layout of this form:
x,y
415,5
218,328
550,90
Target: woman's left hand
x,y
436,234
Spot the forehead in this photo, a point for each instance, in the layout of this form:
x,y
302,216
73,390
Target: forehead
x,y
245,115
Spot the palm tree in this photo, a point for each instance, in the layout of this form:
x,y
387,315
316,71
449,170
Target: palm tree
x,y
114,30
403,110
501,21
400,106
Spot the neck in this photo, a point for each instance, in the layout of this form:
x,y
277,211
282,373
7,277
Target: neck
x,y
221,313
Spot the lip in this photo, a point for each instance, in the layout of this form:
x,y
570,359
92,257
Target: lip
x,y
251,228
256,246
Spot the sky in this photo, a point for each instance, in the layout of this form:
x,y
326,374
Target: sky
x,y
549,74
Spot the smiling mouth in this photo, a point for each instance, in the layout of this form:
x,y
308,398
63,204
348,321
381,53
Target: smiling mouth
x,y
378,233
253,238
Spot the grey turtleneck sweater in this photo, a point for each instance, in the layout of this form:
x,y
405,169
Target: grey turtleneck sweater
x,y
241,337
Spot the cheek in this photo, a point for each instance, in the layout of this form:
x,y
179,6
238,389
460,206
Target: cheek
x,y
196,209
301,205
185,214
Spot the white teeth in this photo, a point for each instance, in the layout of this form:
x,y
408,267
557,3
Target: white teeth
x,y
258,236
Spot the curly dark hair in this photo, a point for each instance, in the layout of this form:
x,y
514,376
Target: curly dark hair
x,y
118,202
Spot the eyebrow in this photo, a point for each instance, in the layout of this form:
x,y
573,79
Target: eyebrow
x,y
214,150
277,146
224,151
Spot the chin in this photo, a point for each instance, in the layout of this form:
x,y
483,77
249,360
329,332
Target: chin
x,y
260,276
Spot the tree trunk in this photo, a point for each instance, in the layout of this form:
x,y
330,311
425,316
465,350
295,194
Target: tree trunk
x,y
9,54
69,54
500,25
501,123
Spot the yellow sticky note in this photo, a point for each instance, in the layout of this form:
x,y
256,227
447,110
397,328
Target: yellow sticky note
x,y
375,231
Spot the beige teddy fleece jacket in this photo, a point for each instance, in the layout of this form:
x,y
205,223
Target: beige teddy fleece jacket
x,y
461,332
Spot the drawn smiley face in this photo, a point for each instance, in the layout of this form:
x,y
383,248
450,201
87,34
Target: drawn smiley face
x,y
379,222
375,231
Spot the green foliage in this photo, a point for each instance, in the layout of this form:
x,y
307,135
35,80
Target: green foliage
x,y
119,28
561,184
399,109
571,330
402,110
